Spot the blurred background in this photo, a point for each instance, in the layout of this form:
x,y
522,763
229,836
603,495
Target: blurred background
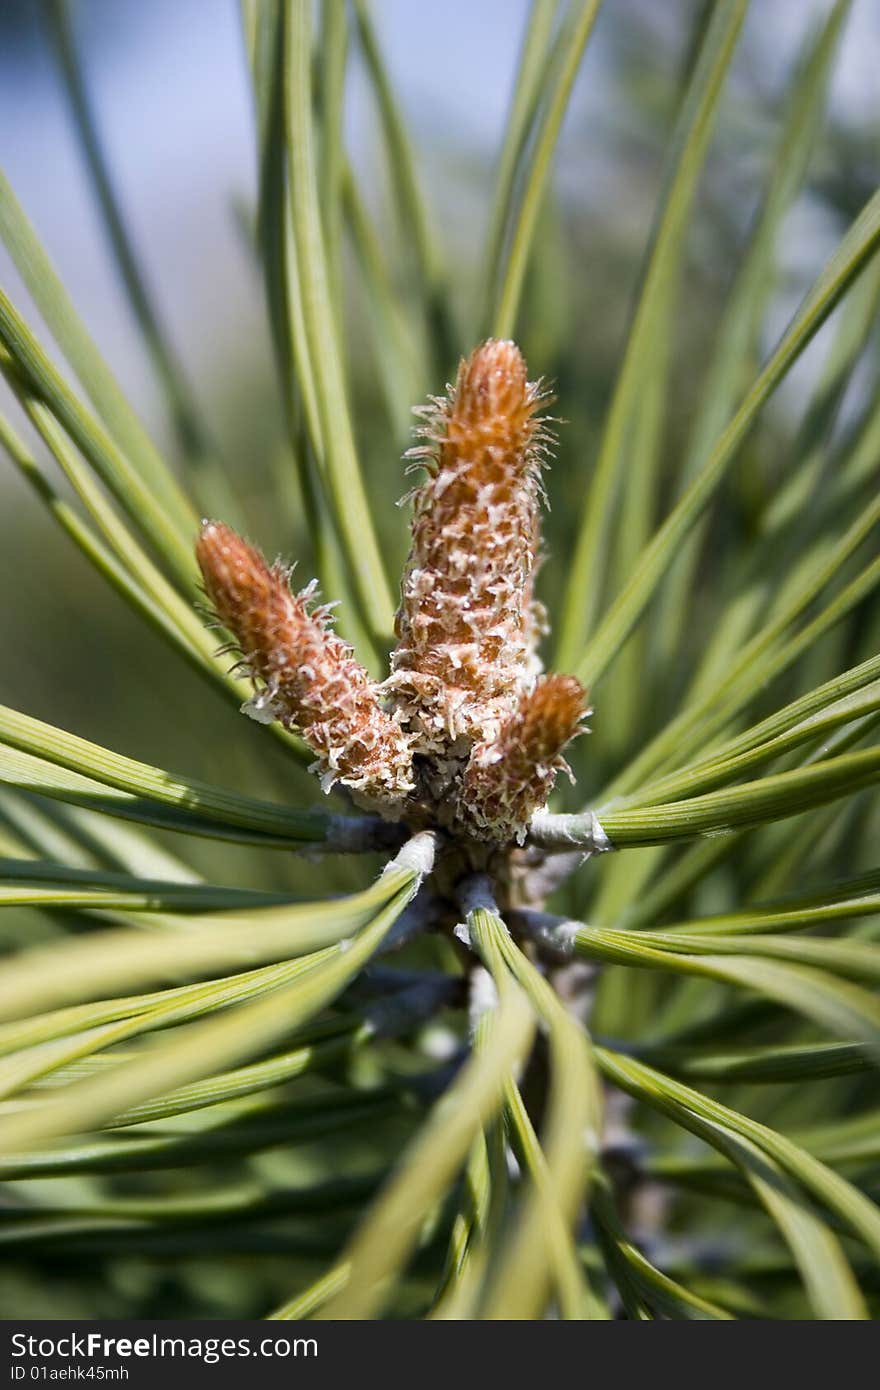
x,y
169,87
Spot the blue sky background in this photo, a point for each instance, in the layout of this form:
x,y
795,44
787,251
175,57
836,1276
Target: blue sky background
x,y
168,80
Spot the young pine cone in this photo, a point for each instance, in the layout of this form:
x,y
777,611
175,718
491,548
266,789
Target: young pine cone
x,y
307,676
474,741
510,778
467,624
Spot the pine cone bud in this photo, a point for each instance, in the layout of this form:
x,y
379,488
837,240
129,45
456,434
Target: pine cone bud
x,y
466,625
306,676
507,780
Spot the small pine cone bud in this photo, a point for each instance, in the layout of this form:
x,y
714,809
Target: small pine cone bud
x,y
466,624
306,676
508,780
